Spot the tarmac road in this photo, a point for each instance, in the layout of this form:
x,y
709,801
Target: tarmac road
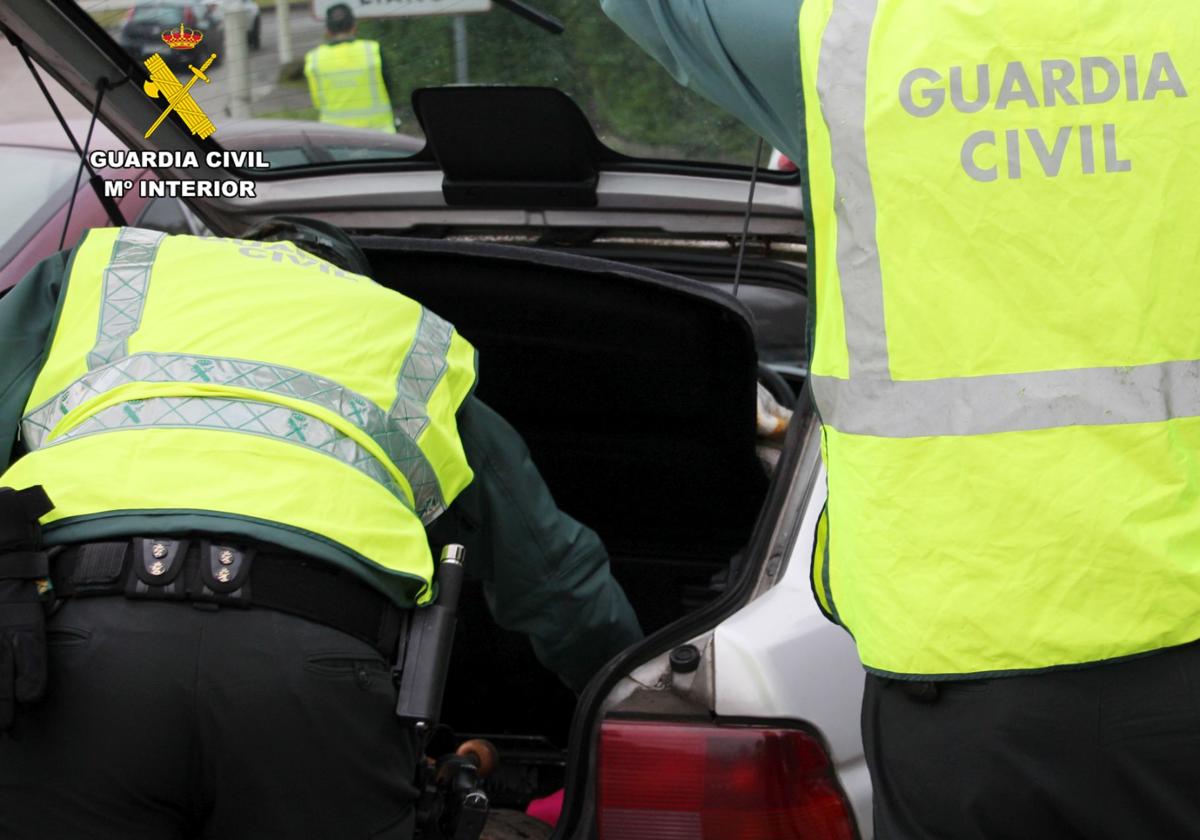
x,y
21,101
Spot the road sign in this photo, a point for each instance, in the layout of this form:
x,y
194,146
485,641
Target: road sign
x,y
403,8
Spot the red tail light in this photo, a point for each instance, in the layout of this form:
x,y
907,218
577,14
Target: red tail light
x,y
189,17
690,781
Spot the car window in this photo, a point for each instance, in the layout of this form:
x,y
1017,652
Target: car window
x,y
632,103
32,177
283,158
347,152
165,16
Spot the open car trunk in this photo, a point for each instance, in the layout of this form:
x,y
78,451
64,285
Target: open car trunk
x,y
635,391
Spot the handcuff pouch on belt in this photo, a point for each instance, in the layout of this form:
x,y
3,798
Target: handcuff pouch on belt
x,y
194,570
156,566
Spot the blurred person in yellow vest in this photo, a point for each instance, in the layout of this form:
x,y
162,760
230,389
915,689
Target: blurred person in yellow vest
x,y
345,76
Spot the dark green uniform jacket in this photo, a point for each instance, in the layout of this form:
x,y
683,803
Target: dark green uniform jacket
x,y
545,575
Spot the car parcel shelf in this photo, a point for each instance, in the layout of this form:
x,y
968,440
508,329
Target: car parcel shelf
x,y
510,146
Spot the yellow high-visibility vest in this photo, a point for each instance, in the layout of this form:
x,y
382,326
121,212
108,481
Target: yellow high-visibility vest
x,y
345,80
1007,353
254,381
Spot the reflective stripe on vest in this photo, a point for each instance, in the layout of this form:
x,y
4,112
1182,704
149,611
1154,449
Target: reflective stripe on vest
x,y
394,431
155,300
1006,362
125,281
347,86
246,417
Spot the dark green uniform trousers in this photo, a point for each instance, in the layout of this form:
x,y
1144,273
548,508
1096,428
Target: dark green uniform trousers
x,y
164,720
1108,752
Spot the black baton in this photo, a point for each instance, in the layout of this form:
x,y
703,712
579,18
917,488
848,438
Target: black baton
x,y
424,658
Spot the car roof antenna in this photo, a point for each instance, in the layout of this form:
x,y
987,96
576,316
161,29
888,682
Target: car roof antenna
x,y
737,271
97,183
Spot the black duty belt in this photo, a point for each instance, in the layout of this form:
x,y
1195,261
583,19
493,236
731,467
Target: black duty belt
x,y
207,572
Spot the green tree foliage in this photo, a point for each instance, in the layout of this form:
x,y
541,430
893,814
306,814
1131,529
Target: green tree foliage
x,y
634,105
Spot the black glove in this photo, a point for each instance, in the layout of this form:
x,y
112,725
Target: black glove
x,y
23,574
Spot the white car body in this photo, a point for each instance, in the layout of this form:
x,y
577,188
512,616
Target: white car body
x,y
779,657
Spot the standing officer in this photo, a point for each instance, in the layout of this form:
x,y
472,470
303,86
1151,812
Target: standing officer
x,y
345,76
1001,201
243,443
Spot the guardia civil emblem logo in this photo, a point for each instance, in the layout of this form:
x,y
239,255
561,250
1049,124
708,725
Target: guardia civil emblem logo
x,y
164,84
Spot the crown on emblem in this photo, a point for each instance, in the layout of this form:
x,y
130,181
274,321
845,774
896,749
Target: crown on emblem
x,y
182,38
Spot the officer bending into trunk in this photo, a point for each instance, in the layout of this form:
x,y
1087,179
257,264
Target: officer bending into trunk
x,y
240,445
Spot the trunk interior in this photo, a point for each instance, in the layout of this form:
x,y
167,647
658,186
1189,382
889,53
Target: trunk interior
x,y
635,389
